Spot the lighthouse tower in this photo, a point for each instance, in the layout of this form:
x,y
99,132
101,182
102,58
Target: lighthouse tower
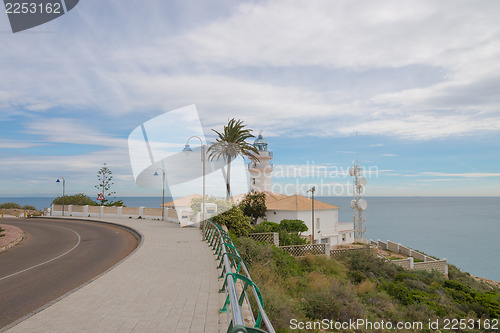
x,y
260,171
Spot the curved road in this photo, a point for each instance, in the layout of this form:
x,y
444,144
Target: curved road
x,y
56,257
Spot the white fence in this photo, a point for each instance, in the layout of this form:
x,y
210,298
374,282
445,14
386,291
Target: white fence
x,y
104,211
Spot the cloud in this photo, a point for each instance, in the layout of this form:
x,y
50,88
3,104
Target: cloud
x,y
212,61
389,155
62,130
436,180
465,175
13,144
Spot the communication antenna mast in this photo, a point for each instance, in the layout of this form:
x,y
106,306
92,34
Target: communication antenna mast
x,y
358,204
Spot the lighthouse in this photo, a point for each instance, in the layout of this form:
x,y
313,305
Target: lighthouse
x,y
260,171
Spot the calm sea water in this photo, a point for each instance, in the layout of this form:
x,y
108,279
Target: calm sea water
x,y
464,230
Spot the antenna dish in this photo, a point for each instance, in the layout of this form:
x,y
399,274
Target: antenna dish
x,y
362,181
354,204
362,204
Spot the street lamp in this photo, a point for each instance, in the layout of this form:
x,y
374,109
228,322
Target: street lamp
x,y
188,149
312,191
64,190
163,195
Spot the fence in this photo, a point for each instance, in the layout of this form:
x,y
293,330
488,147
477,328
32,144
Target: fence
x,y
266,237
335,253
302,250
104,211
427,263
398,248
437,265
237,280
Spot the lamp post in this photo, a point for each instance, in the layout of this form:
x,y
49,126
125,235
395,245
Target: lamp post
x,y
163,194
64,190
312,222
187,149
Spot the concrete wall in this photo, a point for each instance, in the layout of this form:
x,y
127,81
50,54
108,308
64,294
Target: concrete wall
x,y
437,265
103,211
392,246
382,245
405,263
404,250
428,263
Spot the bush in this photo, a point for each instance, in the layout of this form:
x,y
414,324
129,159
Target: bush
x,y
293,226
75,199
338,302
29,207
266,226
289,231
287,238
10,205
235,221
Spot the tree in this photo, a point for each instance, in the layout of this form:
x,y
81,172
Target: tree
x,y
104,176
293,226
290,232
231,144
75,199
222,204
235,221
254,205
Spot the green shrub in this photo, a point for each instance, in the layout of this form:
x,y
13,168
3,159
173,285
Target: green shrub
x,y
235,221
293,225
10,205
370,265
75,199
339,302
266,226
287,238
29,207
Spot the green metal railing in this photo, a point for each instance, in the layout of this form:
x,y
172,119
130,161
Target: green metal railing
x,y
237,283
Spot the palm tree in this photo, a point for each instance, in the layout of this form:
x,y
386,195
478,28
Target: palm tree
x,y
231,144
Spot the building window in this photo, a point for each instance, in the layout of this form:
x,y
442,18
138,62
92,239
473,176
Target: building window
x,y
317,223
325,240
343,238
253,179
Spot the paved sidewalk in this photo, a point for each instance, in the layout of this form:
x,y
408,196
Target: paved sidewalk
x,y
170,284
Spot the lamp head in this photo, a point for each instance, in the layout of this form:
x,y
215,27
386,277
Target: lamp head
x,y
58,181
187,149
156,173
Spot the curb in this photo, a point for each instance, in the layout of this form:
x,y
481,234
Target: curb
x,y
13,243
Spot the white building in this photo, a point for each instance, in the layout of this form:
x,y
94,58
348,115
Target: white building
x,y
327,229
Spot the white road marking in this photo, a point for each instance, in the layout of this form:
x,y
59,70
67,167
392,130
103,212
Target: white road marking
x,y
46,262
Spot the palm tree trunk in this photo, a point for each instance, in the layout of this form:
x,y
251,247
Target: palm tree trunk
x,y
228,179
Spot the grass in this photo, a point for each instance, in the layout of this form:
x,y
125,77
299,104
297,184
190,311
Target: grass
x,y
361,285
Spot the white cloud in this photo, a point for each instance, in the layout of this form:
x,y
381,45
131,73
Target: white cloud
x,y
72,131
13,144
466,175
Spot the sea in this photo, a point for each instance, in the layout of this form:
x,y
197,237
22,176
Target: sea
x,y
464,230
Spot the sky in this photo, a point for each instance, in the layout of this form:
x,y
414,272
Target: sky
x,y
417,81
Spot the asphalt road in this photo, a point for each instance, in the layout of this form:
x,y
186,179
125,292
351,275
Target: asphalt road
x,y
56,257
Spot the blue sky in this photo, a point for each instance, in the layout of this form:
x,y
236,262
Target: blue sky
x,y
417,80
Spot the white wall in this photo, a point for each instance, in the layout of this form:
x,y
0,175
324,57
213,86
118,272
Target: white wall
x,y
328,220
